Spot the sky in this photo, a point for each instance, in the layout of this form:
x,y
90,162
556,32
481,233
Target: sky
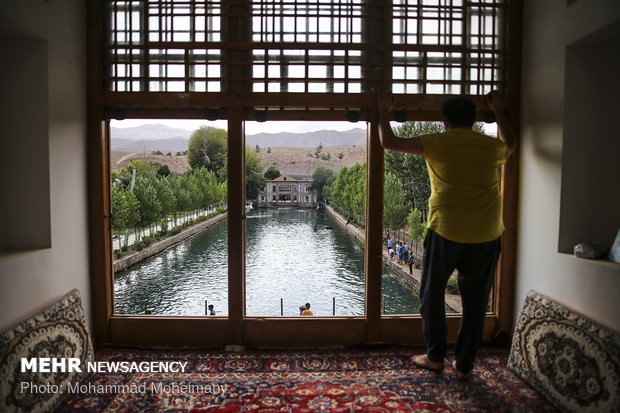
x,y
252,127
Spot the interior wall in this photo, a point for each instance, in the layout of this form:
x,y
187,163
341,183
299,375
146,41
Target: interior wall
x,y
589,287
25,202
591,148
31,279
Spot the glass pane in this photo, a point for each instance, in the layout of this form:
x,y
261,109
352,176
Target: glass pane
x,y
406,194
306,194
169,228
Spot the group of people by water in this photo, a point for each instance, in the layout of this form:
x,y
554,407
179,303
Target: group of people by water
x,y
399,251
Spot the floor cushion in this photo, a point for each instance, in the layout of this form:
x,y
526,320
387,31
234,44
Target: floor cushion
x,y
58,331
569,359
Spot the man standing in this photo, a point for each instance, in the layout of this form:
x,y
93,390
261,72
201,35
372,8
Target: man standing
x,y
464,224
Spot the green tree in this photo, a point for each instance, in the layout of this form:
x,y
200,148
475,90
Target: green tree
x,y
141,167
207,147
207,185
254,178
317,151
164,170
348,190
417,228
395,205
182,197
340,156
146,193
120,211
133,206
411,169
272,173
358,189
165,195
257,148
320,177
269,149
115,176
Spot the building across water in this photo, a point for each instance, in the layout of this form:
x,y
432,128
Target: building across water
x,y
288,190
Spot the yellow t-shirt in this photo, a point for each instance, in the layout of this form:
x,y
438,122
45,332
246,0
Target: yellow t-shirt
x,y
465,203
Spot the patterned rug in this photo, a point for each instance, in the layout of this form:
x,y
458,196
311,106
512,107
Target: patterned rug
x,y
359,379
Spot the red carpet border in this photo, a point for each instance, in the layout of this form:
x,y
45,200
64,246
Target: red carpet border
x,y
365,380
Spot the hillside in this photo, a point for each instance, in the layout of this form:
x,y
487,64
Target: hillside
x,y
294,161
288,150
307,139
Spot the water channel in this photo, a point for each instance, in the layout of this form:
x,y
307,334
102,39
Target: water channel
x,y
288,263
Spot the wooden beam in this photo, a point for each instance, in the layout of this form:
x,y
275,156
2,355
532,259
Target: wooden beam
x,y
374,232
177,331
99,223
406,329
236,223
504,293
174,100
304,332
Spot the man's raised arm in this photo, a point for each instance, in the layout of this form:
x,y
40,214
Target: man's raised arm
x,y
497,103
388,139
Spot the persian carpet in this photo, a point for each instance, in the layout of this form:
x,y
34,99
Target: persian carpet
x,y
368,379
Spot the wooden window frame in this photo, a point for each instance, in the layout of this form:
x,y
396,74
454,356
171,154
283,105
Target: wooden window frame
x,y
237,104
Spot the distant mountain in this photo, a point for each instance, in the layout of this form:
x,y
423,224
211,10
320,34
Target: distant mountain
x,y
308,139
158,137
149,138
173,145
150,132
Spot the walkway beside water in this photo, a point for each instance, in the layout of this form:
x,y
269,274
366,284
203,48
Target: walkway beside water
x,y
401,271
157,247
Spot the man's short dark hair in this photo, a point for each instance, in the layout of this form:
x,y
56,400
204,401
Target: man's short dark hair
x,y
459,112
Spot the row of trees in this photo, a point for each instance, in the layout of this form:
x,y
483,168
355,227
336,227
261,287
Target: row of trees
x,y
155,197
348,191
158,193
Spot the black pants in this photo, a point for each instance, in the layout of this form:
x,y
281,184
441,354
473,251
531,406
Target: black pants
x,y
476,264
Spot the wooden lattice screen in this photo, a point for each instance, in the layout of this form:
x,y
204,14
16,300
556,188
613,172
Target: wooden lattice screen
x,y
299,46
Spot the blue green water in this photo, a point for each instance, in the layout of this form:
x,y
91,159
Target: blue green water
x,y
288,263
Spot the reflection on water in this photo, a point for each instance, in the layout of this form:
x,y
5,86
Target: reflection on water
x,y
288,263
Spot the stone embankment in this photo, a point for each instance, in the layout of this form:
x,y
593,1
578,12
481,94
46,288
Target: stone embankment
x,y
157,247
400,271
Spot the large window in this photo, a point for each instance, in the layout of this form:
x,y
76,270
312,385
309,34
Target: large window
x,y
242,61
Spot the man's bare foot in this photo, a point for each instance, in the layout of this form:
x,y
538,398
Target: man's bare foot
x,y
423,362
460,375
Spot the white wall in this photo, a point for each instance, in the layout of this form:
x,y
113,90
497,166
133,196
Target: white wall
x,y
592,288
29,280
